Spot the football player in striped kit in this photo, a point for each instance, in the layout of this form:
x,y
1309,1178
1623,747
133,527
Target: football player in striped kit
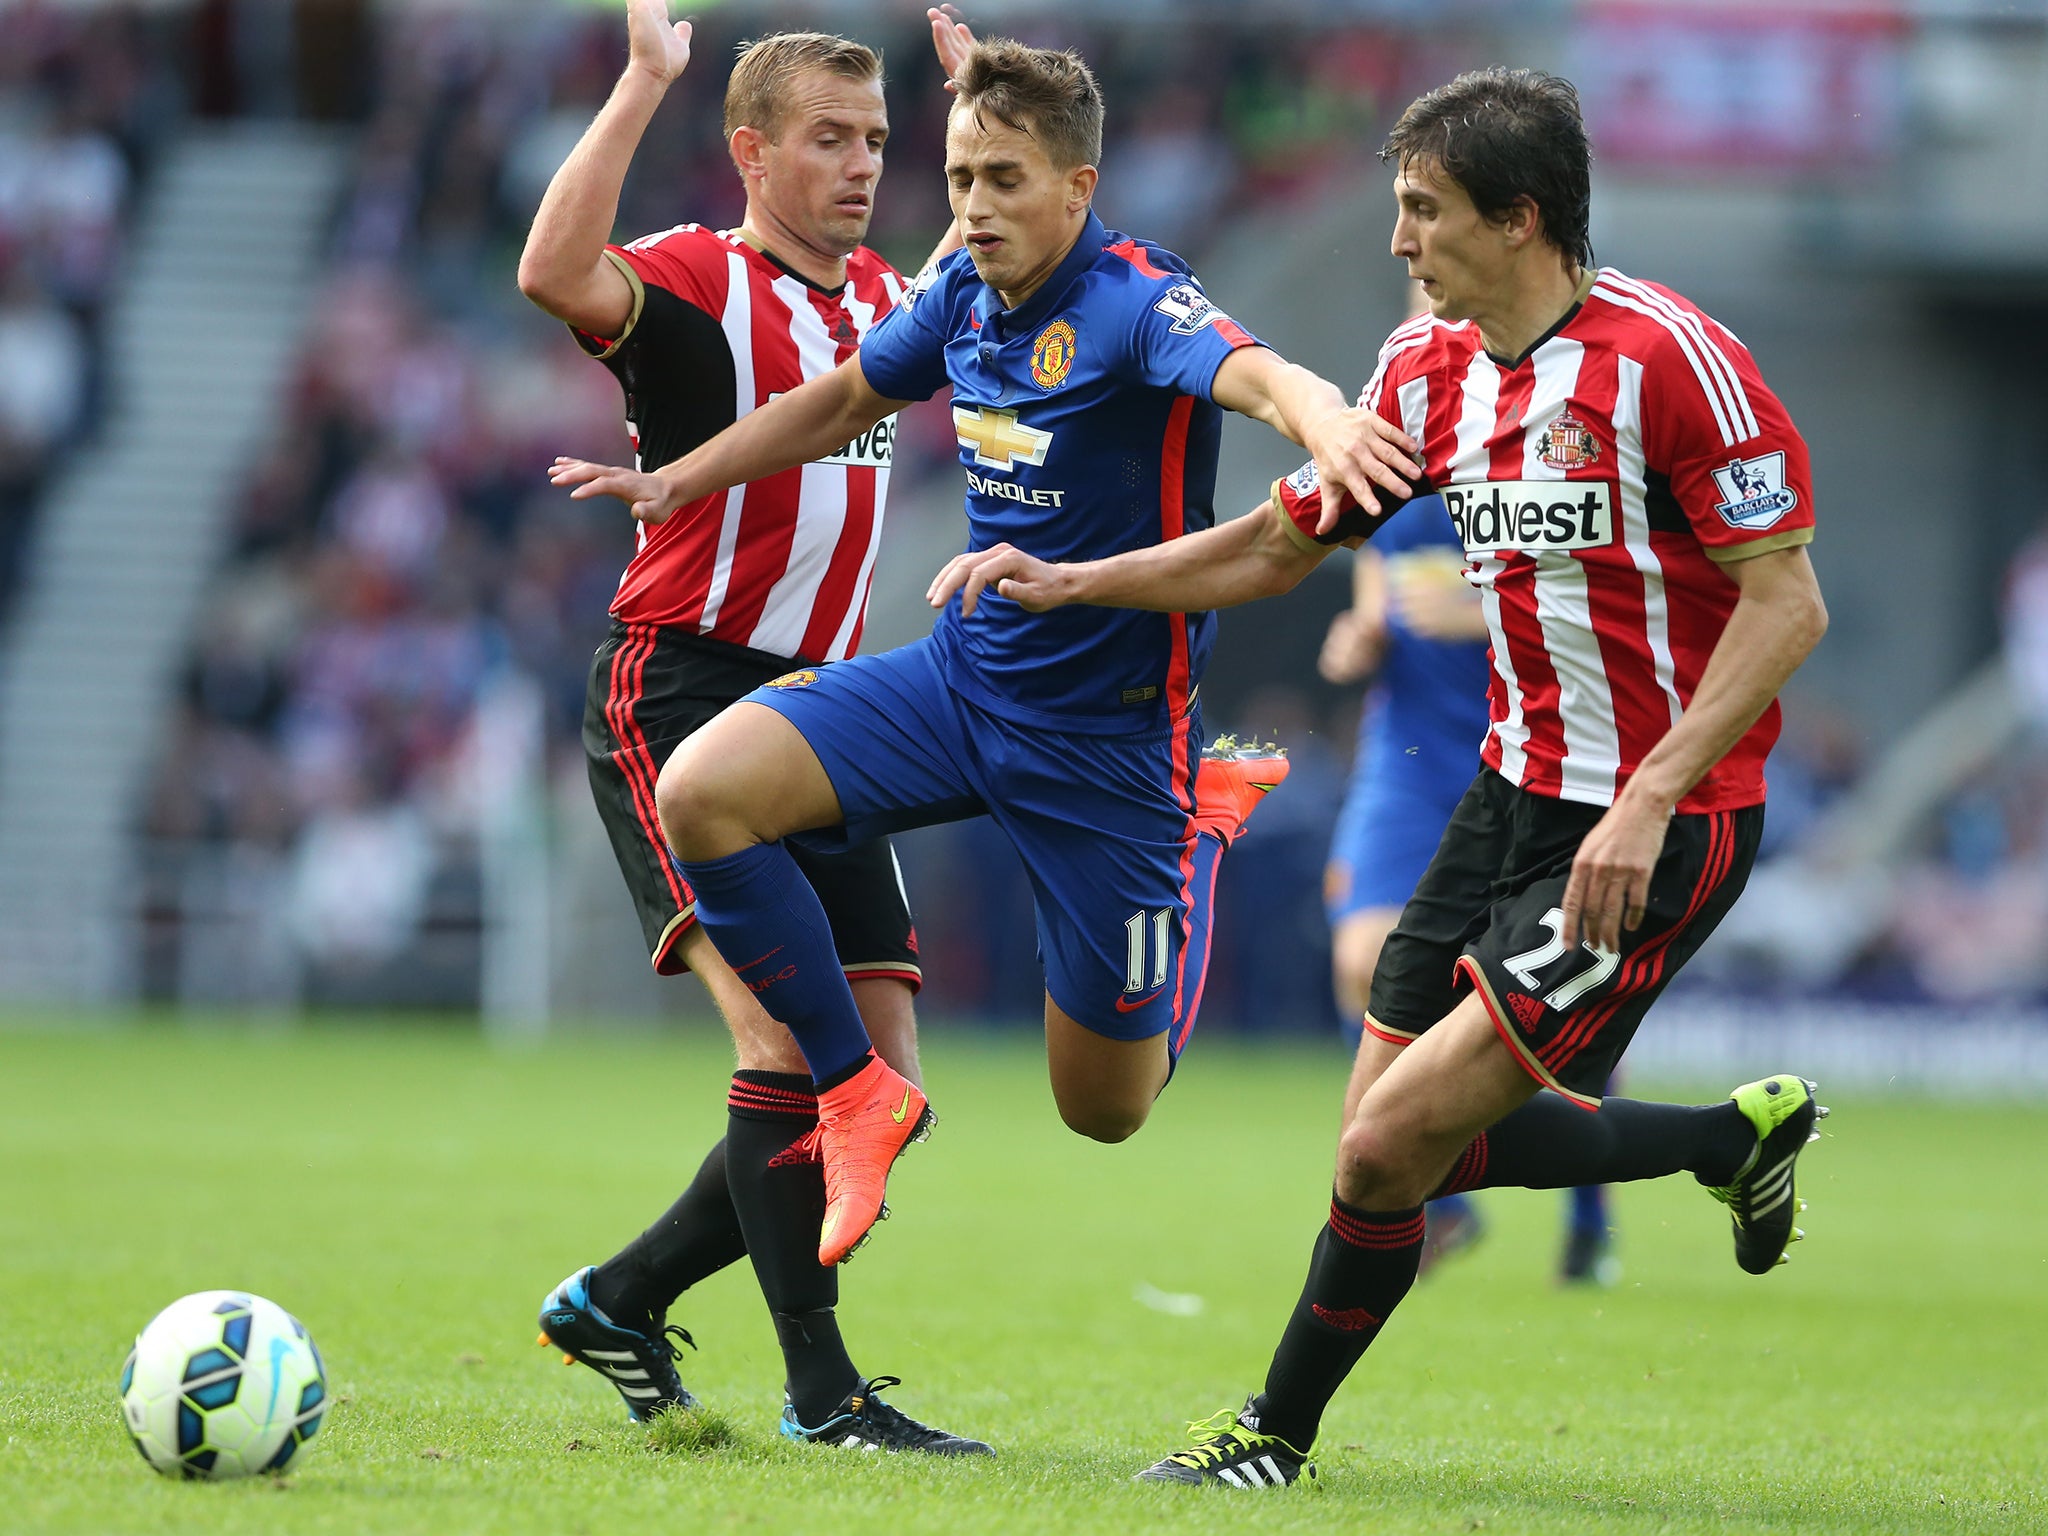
x,y
1634,506
701,326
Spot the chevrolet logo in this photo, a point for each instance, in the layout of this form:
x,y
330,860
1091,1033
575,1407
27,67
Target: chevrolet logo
x,y
998,438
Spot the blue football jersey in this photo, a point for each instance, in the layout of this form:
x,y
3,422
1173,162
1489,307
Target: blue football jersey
x,y
1086,428
1431,695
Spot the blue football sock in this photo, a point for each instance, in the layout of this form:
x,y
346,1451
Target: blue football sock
x,y
1450,1205
1589,1208
765,919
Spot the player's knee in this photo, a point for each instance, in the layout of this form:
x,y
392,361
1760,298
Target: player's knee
x,y
1103,1120
701,815
1374,1169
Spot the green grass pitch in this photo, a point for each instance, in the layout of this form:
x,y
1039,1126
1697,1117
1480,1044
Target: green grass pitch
x,y
411,1196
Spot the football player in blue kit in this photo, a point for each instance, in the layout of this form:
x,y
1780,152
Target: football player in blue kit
x,y
1089,375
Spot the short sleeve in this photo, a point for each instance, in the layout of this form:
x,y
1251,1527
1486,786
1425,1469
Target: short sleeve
x,y
1178,338
1737,466
682,262
903,355
1298,498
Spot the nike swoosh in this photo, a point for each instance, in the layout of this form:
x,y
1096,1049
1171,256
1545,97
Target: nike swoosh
x,y
902,1109
1128,1005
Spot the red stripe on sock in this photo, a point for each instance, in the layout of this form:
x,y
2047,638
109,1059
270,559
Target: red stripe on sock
x,y
1366,1232
1470,1170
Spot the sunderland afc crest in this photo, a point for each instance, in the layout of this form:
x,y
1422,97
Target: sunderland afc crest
x,y
1052,355
1567,444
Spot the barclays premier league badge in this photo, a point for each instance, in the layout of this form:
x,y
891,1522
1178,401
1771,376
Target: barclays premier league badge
x,y
1754,494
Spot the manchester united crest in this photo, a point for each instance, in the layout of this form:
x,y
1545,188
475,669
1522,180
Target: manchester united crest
x,y
1567,444
802,679
1052,355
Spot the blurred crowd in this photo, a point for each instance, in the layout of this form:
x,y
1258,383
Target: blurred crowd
x,y
79,97
398,552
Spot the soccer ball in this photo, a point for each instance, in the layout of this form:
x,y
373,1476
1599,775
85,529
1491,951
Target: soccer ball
x,y
222,1384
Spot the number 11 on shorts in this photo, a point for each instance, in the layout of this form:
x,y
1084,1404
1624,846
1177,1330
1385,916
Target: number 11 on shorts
x,y
1134,950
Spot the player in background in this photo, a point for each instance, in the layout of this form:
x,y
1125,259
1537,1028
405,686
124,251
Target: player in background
x,y
1418,630
1645,603
701,326
1089,375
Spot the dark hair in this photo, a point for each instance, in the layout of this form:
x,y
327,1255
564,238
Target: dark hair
x,y
1504,134
1052,96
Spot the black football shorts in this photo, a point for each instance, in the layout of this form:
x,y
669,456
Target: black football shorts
x,y
1488,916
649,688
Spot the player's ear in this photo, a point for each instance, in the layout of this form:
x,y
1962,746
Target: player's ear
x,y
1081,187
1522,222
749,150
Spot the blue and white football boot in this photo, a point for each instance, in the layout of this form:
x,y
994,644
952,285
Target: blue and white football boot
x,y
641,1366
863,1422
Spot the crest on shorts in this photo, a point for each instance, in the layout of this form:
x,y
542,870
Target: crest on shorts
x,y
1567,443
801,679
1052,355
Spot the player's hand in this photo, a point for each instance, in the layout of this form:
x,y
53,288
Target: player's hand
x,y
1352,649
648,497
658,48
1033,584
1357,449
1609,888
951,40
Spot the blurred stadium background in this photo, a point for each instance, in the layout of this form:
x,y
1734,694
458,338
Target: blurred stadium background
x,y
293,631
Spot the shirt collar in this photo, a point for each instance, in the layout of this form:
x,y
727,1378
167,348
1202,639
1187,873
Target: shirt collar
x,y
988,305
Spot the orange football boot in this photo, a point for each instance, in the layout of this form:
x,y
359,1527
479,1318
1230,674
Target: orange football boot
x,y
1231,781
863,1126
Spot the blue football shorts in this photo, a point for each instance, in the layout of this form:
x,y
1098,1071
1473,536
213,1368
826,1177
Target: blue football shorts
x,y
1122,888
1394,814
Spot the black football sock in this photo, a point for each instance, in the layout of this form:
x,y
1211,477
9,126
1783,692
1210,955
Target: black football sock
x,y
1549,1143
778,1187
697,1236
1363,1264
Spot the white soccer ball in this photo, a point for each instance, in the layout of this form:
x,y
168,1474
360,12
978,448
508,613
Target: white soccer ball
x,y
222,1384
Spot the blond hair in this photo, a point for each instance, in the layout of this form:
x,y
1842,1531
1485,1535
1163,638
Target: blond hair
x,y
1050,96
768,66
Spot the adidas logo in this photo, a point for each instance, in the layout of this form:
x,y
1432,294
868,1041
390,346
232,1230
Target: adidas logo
x,y
1247,1474
1528,1011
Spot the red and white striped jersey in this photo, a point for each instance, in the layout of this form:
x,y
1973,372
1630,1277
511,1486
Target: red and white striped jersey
x,y
718,329
1600,484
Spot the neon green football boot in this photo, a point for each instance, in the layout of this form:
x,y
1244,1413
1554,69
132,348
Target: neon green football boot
x,y
1761,1199
1235,1453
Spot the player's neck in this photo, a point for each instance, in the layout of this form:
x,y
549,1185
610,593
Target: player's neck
x,y
1532,309
1016,298
781,244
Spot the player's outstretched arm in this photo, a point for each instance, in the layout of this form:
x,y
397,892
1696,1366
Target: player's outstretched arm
x,y
1778,619
817,418
1235,562
1353,446
563,268
952,41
